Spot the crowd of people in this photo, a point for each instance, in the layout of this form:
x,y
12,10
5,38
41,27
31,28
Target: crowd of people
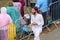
x,y
12,17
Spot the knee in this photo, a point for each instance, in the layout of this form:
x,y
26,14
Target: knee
x,y
36,35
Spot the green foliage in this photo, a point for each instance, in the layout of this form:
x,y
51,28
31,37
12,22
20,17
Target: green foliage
x,y
3,3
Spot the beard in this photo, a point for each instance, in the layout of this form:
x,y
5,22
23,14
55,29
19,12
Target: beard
x,y
34,13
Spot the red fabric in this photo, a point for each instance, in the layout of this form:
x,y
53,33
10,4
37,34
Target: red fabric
x,y
22,2
22,7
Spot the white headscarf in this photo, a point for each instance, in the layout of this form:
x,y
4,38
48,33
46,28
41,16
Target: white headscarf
x,y
27,16
3,10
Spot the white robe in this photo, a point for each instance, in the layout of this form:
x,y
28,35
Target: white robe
x,y
37,29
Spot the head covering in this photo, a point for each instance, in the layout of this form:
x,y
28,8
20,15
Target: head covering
x,y
27,16
4,17
3,10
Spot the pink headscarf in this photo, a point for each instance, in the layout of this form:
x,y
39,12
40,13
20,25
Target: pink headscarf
x,y
4,18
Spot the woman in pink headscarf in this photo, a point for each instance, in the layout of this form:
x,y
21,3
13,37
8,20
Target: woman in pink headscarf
x,y
6,26
4,21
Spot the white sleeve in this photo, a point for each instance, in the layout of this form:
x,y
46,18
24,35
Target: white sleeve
x,y
41,21
31,19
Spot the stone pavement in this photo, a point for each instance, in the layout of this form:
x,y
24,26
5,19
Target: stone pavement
x,y
54,35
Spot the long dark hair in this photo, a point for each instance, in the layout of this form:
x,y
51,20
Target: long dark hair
x,y
36,9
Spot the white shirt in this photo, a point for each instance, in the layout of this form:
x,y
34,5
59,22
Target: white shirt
x,y
38,19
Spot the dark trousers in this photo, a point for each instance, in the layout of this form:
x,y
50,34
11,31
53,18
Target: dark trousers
x,y
44,17
27,3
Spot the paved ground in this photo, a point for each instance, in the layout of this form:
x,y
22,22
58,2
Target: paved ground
x,y
54,35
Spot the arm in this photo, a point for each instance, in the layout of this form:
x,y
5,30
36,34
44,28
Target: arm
x,y
33,21
41,20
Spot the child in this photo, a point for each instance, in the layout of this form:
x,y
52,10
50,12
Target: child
x,y
27,18
37,22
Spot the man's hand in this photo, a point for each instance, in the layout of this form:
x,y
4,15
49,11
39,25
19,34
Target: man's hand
x,y
34,23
